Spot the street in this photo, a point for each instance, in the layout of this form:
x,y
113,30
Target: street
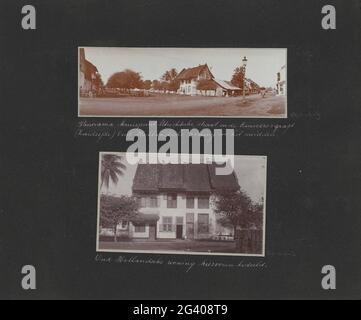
x,y
185,106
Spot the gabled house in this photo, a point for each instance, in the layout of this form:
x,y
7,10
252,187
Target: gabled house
x,y
200,81
252,87
191,77
176,201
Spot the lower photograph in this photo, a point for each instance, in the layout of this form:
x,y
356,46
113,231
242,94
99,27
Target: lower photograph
x,y
182,208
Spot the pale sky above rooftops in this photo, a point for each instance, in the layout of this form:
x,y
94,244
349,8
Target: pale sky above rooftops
x,y
250,172
262,66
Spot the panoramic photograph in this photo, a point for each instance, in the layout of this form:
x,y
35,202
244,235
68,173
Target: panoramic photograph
x,y
184,208
178,82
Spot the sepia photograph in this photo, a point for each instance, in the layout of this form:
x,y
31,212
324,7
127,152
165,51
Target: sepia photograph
x,y
183,208
179,82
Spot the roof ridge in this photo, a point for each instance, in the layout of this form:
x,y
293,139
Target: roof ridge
x,y
188,178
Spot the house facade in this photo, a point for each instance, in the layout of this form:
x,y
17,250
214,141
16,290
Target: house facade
x,y
190,78
88,76
252,87
200,81
176,202
282,81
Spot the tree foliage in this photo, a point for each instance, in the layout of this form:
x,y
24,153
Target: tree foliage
x,y
127,79
146,84
169,80
156,85
238,77
255,86
170,75
236,209
98,81
111,168
113,210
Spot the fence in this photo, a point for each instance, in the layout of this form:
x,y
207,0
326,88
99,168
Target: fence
x,y
249,241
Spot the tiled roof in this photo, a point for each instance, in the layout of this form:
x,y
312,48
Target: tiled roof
x,y
182,177
144,217
146,178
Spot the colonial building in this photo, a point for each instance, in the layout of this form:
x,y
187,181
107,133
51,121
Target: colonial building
x,y
200,81
282,81
177,202
89,78
252,87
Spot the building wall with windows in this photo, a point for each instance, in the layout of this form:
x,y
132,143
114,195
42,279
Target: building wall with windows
x,y
282,81
181,216
188,87
140,231
176,200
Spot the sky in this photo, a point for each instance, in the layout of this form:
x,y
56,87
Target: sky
x,y
250,172
262,66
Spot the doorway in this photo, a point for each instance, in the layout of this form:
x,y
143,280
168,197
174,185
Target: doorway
x,y
179,231
152,232
190,225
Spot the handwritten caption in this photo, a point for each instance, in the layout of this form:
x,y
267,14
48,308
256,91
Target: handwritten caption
x,y
187,265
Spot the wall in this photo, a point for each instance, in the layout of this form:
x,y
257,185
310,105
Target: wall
x,y
282,84
216,231
189,89
181,211
140,235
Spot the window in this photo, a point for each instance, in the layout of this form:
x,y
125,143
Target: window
x,y
203,202
142,202
153,202
190,217
203,223
139,228
167,224
171,201
148,202
179,220
124,224
190,202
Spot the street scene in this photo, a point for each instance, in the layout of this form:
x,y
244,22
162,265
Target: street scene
x,y
181,208
178,82
175,105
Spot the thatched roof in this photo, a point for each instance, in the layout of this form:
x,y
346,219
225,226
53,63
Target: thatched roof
x,y
193,73
86,66
207,85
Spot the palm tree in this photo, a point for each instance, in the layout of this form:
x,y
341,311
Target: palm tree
x,y
112,168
